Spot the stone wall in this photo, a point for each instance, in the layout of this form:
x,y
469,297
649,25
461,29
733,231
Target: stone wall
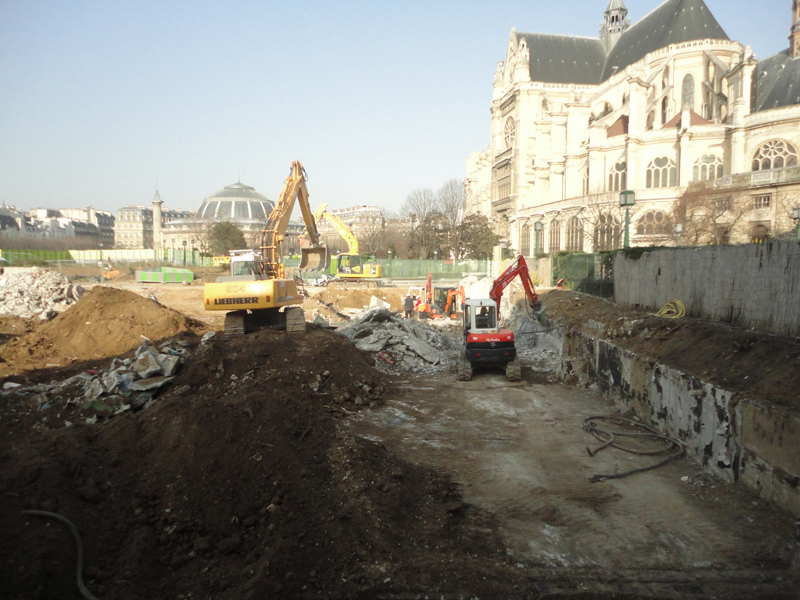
x,y
751,286
737,439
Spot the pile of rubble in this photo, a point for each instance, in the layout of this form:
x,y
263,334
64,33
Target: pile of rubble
x,y
127,384
36,293
406,345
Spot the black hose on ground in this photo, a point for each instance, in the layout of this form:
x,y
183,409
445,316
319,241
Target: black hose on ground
x,y
672,447
50,515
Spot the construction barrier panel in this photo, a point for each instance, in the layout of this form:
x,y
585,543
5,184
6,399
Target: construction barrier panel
x,y
164,275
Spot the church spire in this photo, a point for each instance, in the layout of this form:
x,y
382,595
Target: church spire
x,y
794,37
615,23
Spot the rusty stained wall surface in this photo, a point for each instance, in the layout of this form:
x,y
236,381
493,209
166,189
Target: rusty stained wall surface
x,y
751,286
736,439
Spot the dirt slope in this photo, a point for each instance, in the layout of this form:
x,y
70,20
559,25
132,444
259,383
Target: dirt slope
x,y
105,322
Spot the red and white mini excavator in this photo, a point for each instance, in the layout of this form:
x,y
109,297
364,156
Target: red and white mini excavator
x,y
484,342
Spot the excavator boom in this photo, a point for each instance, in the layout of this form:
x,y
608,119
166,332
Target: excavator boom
x,y
343,230
314,257
518,268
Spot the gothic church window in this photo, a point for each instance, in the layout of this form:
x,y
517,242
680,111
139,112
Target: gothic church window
x,y
662,172
664,113
687,93
618,177
651,120
653,222
525,240
555,236
775,154
574,235
509,132
706,168
607,233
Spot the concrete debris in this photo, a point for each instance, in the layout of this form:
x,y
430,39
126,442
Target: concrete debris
x,y
151,383
126,384
409,345
37,293
376,302
207,337
319,320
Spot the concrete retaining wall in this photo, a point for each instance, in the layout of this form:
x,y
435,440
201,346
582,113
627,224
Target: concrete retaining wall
x,y
752,286
737,439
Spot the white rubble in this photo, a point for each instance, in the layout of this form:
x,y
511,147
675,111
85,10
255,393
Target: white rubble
x,y
37,293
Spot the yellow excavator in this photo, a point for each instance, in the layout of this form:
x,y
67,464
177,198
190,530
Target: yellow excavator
x,y
349,266
265,297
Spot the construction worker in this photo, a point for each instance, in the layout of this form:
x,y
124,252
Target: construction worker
x,y
408,306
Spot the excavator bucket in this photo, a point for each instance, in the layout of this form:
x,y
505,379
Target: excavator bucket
x,y
313,259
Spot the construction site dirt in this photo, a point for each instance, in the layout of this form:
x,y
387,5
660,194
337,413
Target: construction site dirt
x,y
290,467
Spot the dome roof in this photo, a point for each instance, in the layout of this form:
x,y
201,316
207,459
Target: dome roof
x,y
235,202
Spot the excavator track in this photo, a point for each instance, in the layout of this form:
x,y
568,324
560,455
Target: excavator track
x,y
514,370
234,323
464,368
295,320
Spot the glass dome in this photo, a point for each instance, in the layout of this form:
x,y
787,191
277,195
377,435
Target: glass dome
x,y
236,202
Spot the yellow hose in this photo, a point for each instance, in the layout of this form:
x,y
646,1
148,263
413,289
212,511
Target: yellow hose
x,y
674,309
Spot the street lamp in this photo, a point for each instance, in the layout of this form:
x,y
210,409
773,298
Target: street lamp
x,y
796,217
537,227
184,253
192,252
678,233
626,200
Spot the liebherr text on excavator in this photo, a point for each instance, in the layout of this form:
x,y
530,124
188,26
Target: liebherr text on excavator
x,y
265,297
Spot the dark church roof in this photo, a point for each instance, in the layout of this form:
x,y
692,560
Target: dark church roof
x,y
777,82
578,60
674,22
565,59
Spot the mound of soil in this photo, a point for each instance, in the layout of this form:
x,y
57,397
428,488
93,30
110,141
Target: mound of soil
x,y
239,482
105,322
11,327
763,367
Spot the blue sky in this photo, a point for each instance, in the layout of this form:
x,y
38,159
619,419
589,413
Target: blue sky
x,y
101,100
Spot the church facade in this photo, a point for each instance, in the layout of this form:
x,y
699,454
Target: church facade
x,y
705,135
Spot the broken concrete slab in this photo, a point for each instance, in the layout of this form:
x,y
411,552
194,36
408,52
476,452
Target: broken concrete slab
x,y
169,364
152,383
146,365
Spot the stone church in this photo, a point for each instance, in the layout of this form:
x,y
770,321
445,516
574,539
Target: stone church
x,y
703,133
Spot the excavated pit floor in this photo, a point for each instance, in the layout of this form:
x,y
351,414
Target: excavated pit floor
x,y
518,451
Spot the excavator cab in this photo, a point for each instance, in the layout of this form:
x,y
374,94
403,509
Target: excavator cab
x,y
350,263
480,316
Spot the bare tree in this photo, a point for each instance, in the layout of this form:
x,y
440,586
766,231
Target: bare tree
x,y
709,216
452,202
419,205
372,236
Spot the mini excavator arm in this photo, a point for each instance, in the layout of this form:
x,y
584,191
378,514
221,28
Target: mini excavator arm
x,y
313,258
518,268
451,298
